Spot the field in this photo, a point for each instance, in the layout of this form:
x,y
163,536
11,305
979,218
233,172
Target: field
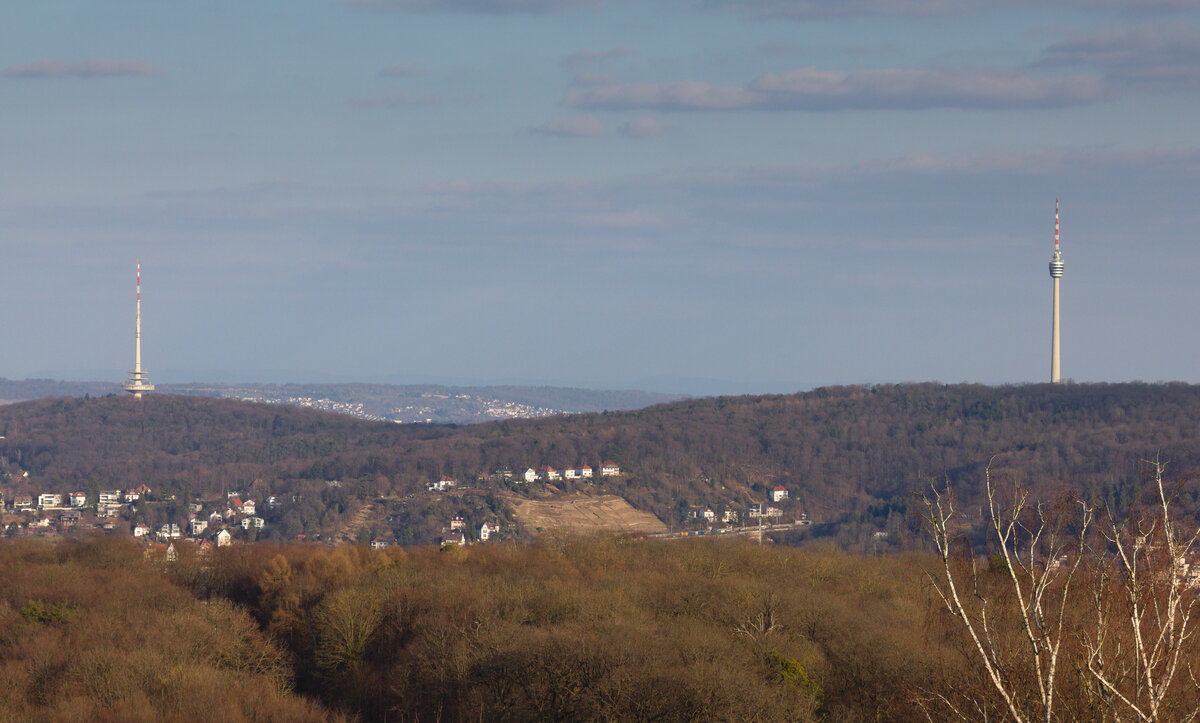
x,y
584,514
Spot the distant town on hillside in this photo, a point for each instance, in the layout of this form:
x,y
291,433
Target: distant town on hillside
x,y
403,403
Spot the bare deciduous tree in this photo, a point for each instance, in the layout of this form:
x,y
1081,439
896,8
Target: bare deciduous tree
x,y
1143,610
1038,549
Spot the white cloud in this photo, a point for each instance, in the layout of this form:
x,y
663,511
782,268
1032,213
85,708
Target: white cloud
x,y
1166,55
816,90
498,7
99,68
574,127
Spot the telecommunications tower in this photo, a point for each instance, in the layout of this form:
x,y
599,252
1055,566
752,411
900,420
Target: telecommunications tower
x,y
1056,272
138,382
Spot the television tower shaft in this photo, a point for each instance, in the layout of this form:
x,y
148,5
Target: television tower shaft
x,y
1056,272
138,382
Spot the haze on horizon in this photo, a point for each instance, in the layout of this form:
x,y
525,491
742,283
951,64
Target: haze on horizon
x,y
762,194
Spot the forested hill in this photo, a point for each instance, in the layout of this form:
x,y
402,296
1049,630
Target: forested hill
x,y
849,456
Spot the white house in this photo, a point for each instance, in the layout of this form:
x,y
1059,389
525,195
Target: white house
x,y
453,538
381,542
199,525
49,500
108,502
23,502
779,494
457,523
248,507
486,530
223,538
570,473
609,469
585,471
255,522
549,473
169,531
531,475
141,530
443,484
78,499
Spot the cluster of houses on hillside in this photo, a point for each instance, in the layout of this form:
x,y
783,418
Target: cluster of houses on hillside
x,y
545,473
731,515
55,512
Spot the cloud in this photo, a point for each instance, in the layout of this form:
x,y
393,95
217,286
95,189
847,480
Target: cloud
x,y
820,9
99,68
1167,56
401,70
835,9
493,7
585,78
680,95
584,58
576,127
812,89
641,127
396,100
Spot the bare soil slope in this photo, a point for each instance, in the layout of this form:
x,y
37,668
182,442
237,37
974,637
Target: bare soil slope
x,y
584,514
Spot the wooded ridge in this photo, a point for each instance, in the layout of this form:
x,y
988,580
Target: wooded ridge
x,y
850,457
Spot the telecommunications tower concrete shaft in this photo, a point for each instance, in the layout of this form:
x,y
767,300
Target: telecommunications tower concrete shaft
x,y
138,382
1056,272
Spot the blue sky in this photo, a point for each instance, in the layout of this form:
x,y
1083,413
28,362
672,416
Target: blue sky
x,y
771,193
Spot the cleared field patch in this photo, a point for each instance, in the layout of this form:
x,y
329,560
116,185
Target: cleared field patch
x,y
584,514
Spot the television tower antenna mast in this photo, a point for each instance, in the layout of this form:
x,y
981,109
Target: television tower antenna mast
x,y
138,382
1056,272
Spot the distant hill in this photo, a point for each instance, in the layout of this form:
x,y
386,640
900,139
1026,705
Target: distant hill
x,y
425,403
850,457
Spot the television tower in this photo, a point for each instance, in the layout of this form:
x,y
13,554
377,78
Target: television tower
x,y
137,378
1056,272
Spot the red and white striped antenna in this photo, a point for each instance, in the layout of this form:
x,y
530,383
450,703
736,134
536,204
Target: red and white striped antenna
x,y
139,275
1056,224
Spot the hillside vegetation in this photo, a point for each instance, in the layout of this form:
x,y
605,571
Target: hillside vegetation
x,y
850,456
598,628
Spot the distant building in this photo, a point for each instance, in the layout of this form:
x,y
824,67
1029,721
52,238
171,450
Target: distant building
x,y
223,538
585,471
570,473
49,501
198,526
486,531
453,538
609,469
549,473
530,475
78,499
457,523
253,522
23,502
381,542
141,530
779,494
443,484
108,503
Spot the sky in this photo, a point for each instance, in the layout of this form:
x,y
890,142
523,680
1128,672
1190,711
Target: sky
x,y
693,196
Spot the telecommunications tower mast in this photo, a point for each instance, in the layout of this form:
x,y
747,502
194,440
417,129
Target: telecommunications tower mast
x,y
1056,272
138,382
